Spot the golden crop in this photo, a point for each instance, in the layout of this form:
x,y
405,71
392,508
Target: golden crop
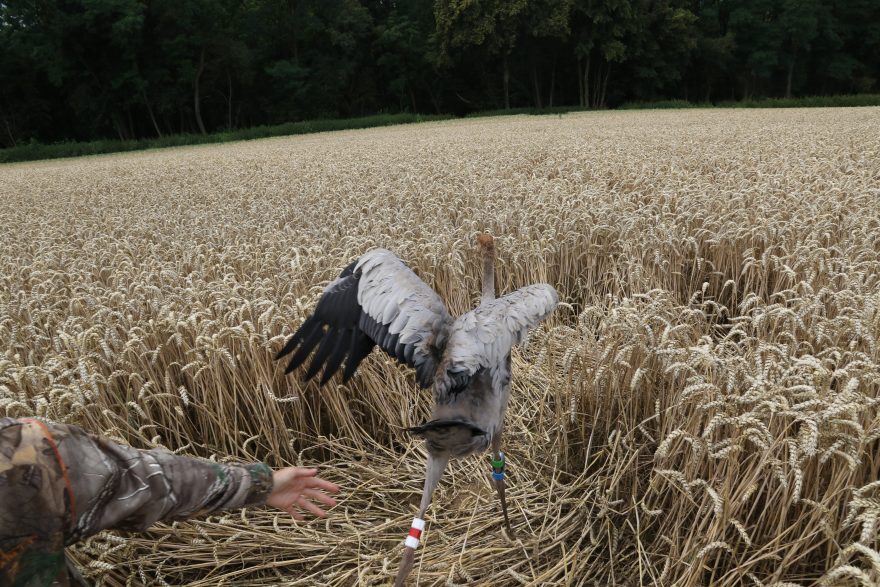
x,y
704,410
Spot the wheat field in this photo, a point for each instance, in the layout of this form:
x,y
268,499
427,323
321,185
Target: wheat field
x,y
703,409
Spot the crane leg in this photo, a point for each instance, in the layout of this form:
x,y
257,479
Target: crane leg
x,y
436,466
498,465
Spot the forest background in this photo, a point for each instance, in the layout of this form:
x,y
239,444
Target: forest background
x,y
85,70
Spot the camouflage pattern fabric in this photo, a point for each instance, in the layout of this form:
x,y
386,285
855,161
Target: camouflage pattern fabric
x,y
59,484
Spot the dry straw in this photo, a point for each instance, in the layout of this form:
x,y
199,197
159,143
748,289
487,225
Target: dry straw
x,y
704,410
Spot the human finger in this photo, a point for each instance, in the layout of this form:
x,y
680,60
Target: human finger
x,y
295,514
291,474
320,496
318,483
307,505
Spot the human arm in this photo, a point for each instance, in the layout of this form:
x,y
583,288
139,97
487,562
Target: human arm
x,y
120,487
59,484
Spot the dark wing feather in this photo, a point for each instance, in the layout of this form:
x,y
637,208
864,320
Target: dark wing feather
x,y
377,300
361,347
334,360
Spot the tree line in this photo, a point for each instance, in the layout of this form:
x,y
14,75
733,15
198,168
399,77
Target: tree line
x,y
128,69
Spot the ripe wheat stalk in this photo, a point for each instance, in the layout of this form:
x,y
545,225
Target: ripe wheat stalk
x,y
703,409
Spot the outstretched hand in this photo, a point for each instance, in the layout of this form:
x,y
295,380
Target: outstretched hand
x,y
296,488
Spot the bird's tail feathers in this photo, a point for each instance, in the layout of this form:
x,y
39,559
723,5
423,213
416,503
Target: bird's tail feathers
x,y
445,426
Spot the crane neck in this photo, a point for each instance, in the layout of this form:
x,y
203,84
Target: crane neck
x,y
487,251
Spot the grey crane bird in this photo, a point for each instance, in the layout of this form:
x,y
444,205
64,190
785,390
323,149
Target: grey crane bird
x,y
378,300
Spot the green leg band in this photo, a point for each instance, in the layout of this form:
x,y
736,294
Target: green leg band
x,y
498,468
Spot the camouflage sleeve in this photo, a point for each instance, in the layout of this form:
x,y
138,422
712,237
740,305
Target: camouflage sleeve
x,y
116,486
35,506
59,484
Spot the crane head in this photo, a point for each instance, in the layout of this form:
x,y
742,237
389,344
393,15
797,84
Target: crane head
x,y
486,243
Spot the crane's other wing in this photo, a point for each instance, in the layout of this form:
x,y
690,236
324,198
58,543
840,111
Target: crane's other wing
x,y
377,300
482,338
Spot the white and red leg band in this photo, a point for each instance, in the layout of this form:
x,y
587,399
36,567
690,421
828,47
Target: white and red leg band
x,y
415,533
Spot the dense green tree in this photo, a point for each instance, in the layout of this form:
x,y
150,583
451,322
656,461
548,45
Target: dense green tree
x,y
546,26
713,59
198,42
315,51
601,30
406,54
485,28
86,50
25,104
659,48
755,25
853,30
86,69
799,25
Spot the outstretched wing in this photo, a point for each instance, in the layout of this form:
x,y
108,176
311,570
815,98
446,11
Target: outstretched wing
x,y
377,300
482,338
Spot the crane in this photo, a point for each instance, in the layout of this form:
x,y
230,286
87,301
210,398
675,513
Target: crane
x,y
378,300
